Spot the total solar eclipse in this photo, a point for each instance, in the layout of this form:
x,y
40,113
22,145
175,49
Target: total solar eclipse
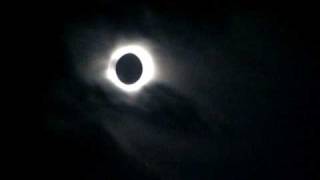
x,y
130,68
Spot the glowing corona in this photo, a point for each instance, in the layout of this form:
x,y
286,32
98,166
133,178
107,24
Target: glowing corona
x,y
147,67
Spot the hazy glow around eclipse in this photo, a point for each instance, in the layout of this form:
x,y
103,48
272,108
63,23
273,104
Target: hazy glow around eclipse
x,y
147,67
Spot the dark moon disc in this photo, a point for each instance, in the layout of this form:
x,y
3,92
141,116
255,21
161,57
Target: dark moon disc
x,y
129,68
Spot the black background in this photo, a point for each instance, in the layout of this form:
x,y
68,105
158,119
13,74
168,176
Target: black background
x,y
264,128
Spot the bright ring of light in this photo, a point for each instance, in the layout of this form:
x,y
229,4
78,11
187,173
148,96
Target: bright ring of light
x,y
147,67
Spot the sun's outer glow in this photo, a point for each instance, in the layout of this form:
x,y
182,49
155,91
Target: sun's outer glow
x,y
147,67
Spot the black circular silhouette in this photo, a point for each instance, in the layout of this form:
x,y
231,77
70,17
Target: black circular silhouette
x,y
129,68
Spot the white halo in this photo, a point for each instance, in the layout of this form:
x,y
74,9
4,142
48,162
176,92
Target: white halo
x,y
147,67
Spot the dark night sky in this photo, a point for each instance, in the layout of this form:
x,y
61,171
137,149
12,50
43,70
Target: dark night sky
x,y
235,94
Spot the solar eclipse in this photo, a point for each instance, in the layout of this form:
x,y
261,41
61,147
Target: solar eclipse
x,y
130,68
